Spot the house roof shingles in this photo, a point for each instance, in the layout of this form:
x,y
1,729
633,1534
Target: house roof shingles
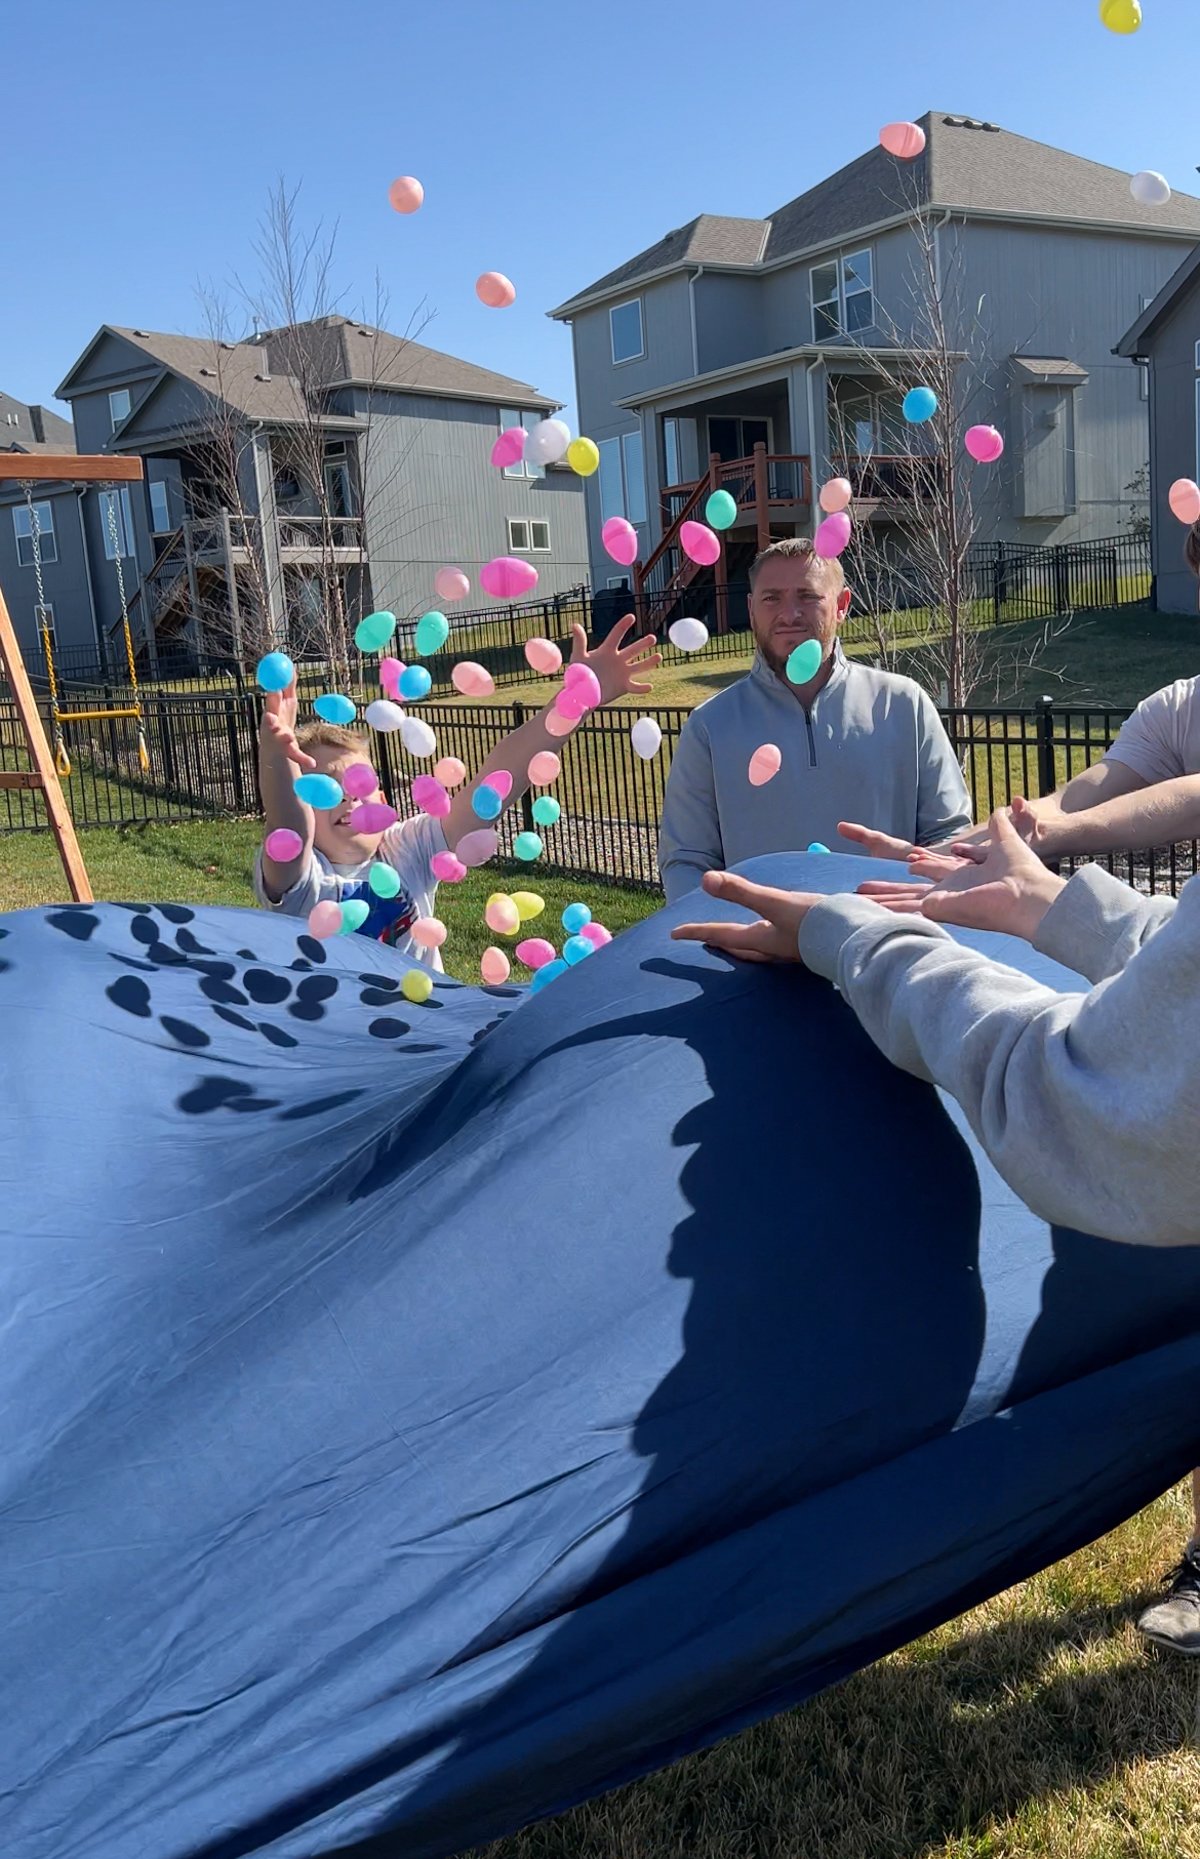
x,y
967,165
19,428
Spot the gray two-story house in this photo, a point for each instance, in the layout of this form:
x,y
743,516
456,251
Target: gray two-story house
x,y
327,454
794,337
50,516
1164,342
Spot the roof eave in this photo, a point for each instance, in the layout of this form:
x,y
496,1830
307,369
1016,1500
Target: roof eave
x,y
810,351
518,395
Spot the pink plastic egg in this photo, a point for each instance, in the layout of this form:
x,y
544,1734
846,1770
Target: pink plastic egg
x,y
765,764
391,670
535,952
904,140
543,655
501,780
507,577
405,194
472,680
509,448
835,495
596,934
568,705
325,919
450,771
447,869
360,781
451,584
1184,500
620,540
283,845
428,932
984,444
494,289
478,847
583,683
832,535
556,724
373,816
502,916
699,543
430,796
544,768
494,968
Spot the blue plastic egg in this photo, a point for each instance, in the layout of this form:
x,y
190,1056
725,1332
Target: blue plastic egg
x,y
275,672
574,917
919,404
486,804
332,707
545,975
577,949
319,791
414,683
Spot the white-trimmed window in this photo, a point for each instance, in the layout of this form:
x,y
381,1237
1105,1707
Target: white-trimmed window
x,y
119,404
160,507
524,467
625,331
528,536
47,540
623,478
672,452
539,537
843,295
43,619
1198,358
117,503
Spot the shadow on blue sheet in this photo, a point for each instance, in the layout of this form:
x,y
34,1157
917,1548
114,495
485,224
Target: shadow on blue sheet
x,y
418,1418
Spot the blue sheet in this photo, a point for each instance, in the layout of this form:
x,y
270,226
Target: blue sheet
x,y
415,1419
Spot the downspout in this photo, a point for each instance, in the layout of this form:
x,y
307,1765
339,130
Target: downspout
x,y
947,216
101,653
697,273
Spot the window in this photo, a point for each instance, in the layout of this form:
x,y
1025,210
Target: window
x,y
160,507
539,538
618,580
623,478
43,619
115,512
843,295
625,331
47,541
118,406
518,535
672,453
1198,358
524,467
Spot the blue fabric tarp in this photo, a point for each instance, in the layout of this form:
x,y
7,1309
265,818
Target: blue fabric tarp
x,y
417,1418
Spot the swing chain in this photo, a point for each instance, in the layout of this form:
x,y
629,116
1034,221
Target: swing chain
x,y
115,544
62,760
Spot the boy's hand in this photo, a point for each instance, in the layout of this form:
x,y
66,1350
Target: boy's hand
x,y
278,732
616,664
1008,889
771,938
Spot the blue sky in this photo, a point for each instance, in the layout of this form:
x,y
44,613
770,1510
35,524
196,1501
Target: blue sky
x,y
554,140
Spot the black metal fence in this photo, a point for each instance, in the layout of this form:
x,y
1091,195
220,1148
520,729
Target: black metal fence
x,y
203,752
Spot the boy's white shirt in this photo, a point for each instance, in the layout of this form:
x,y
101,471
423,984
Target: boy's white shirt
x,y
408,847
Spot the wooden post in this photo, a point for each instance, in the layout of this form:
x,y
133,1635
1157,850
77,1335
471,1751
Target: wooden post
x,y
43,775
762,496
720,569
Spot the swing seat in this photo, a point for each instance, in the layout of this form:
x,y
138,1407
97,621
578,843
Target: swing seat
x,y
94,716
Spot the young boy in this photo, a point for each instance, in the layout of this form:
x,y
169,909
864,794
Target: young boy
x,y
334,859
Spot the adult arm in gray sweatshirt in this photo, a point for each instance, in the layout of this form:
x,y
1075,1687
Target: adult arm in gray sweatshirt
x,y
1089,1104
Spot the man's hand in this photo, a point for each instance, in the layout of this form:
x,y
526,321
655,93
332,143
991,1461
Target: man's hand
x,y
1007,889
771,938
886,845
277,734
617,666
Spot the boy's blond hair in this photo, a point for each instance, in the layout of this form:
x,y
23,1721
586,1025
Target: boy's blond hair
x,y
320,735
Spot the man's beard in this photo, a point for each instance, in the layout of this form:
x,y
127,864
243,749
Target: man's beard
x,y
776,660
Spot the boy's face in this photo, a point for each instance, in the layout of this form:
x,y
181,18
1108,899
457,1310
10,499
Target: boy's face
x,y
332,835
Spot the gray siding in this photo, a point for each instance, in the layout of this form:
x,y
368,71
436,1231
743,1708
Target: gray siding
x,y
431,499
65,580
787,309
730,320
1176,451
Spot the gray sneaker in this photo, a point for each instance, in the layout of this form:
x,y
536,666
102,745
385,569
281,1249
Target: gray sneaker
x,y
1174,1622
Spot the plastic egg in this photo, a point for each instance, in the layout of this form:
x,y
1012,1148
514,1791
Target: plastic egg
x,y
321,792
486,804
582,682
502,916
919,404
543,655
428,932
620,540
355,912
544,768
984,444
835,495
450,771
596,934
765,764
833,534
645,738
405,194
574,917
447,869
527,847
472,680
548,442
275,672
577,949
433,630
494,289
384,715
360,781
1150,189
1123,16
903,140
688,635
494,968
545,975
1184,500
535,952
507,577
417,737
390,672
583,456
332,707
699,543
417,986
451,584
805,662
283,845
383,879
571,706
373,633
529,905
720,510
556,724
325,919
414,683
477,847
373,816
509,448
430,796
816,846
546,810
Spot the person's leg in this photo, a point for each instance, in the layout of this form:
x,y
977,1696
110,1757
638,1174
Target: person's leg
x,y
1174,1622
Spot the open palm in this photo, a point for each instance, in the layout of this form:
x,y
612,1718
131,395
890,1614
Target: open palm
x,y
619,667
1006,889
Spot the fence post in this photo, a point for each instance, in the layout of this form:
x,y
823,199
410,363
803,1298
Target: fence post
x,y
528,823
1043,724
1062,586
235,754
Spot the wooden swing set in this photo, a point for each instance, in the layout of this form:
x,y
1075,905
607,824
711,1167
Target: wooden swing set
x,y
48,768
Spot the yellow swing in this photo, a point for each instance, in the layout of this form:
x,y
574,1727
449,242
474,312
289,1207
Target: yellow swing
x,y
62,758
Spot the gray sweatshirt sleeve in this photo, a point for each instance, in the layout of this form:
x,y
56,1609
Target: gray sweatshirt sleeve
x,y
1088,1105
1097,925
943,804
689,840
